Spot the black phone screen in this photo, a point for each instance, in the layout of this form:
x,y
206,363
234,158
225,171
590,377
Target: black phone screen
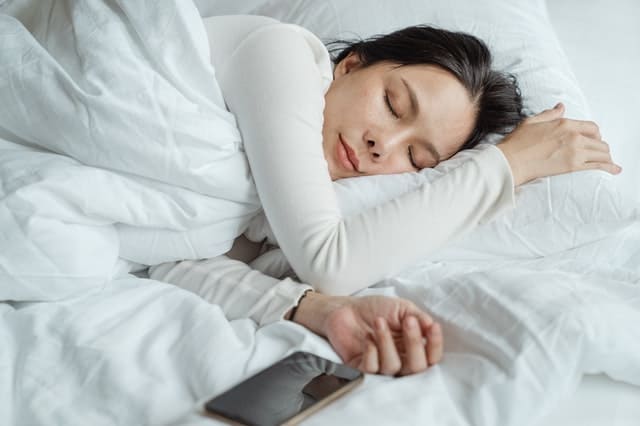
x,y
288,390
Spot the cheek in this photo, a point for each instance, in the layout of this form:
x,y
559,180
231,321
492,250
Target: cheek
x,y
370,104
360,100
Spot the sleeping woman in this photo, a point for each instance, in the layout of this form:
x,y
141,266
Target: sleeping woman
x,y
391,104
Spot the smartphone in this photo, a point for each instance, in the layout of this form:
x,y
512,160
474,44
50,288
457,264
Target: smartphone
x,y
285,393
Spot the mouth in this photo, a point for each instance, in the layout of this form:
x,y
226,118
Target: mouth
x,y
347,156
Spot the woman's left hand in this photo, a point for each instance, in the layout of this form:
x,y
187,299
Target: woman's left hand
x,y
375,334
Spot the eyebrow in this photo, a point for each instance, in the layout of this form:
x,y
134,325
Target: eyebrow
x,y
415,109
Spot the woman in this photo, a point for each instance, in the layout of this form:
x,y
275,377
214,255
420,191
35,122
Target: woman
x,y
394,104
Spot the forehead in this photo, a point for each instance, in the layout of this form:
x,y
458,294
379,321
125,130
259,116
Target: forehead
x,y
446,112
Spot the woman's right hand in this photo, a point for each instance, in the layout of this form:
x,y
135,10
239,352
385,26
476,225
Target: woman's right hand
x,y
547,144
376,334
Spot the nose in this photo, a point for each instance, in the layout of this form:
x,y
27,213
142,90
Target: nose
x,y
382,146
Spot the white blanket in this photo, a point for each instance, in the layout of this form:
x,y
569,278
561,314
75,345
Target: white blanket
x,y
116,145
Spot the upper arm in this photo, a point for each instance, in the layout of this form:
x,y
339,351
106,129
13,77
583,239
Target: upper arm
x,y
274,85
225,33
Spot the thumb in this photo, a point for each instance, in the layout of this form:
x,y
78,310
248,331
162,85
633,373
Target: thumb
x,y
548,114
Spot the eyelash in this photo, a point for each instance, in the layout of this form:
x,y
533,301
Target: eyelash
x,y
388,102
395,115
413,163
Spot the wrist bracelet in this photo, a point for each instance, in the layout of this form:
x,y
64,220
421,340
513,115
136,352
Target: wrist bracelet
x,y
295,308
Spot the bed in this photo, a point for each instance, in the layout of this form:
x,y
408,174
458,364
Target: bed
x,y
538,307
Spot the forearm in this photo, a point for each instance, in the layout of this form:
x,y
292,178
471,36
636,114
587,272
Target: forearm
x,y
239,290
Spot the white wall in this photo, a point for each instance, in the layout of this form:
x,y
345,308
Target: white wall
x,y
602,40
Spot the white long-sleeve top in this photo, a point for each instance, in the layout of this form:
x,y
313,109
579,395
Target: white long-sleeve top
x,y
273,77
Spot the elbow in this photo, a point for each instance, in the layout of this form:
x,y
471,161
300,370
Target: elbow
x,y
326,265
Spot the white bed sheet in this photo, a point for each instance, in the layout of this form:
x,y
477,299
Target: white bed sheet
x,y
598,401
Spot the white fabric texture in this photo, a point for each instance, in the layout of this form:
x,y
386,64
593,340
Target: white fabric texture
x,y
136,157
241,290
108,348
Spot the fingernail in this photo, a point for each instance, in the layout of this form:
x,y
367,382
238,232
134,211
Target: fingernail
x,y
558,105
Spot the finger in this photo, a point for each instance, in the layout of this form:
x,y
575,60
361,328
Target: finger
x,y
596,152
597,157
423,318
390,362
589,128
597,145
547,115
585,128
614,169
425,325
369,362
415,355
435,344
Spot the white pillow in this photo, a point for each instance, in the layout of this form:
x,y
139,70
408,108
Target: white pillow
x,y
552,215
519,34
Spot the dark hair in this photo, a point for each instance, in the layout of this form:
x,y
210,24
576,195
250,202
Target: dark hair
x,y
495,94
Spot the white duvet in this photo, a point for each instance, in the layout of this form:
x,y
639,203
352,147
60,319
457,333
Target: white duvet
x,y
115,139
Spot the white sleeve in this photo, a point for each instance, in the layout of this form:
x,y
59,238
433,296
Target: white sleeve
x,y
273,83
241,292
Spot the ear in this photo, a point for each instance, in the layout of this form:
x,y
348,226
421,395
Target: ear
x,y
350,63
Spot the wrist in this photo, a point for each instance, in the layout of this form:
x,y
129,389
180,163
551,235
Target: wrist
x,y
517,170
314,309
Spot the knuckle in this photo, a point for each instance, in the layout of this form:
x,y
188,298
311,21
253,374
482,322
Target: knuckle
x,y
563,122
574,136
410,305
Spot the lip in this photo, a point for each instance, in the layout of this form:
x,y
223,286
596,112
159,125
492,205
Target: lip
x,y
347,156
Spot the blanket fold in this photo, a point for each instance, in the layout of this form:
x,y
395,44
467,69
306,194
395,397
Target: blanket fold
x,y
119,143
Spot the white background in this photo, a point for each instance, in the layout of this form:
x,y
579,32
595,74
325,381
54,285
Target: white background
x,y
602,41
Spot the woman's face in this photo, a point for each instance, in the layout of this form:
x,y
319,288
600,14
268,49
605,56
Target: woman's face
x,y
386,118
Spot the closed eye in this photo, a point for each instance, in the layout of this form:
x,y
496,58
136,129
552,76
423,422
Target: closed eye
x,y
389,106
